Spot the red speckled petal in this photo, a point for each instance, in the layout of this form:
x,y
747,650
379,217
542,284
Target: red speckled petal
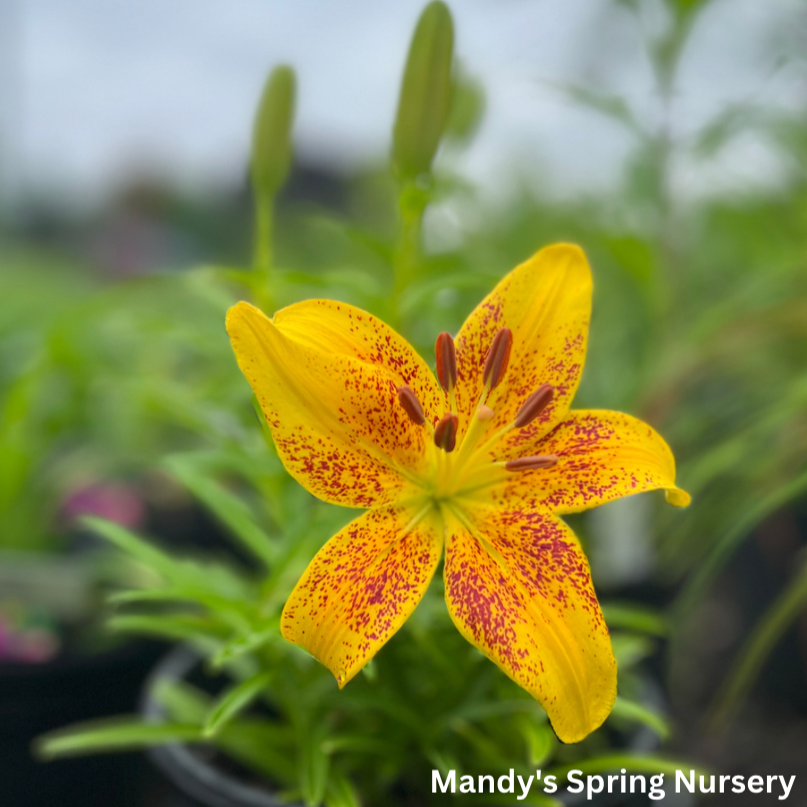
x,y
533,611
361,587
546,303
341,328
602,456
326,376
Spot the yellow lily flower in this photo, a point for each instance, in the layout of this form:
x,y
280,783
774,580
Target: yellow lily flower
x,y
483,459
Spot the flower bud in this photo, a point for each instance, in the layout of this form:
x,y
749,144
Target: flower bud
x,y
271,134
425,101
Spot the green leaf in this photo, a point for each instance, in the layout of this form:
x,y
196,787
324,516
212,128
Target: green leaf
x,y
314,765
236,614
226,506
118,734
246,643
758,647
341,792
233,701
634,618
633,712
171,626
630,650
182,702
732,537
540,739
354,743
136,547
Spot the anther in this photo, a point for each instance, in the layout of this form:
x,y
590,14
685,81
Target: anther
x,y
446,355
497,359
530,463
534,405
411,405
445,432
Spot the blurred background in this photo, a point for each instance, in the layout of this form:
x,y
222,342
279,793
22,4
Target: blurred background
x,y
667,137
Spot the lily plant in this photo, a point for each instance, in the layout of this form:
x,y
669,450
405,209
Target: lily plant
x,y
477,463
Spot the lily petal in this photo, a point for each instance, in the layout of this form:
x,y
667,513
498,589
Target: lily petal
x,y
361,587
602,456
546,303
518,587
326,376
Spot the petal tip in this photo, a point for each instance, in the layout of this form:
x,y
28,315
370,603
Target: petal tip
x,y
574,731
677,497
242,311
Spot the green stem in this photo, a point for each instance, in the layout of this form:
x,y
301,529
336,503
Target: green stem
x,y
262,251
411,207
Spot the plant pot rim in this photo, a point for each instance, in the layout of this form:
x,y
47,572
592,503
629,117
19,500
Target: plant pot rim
x,y
192,775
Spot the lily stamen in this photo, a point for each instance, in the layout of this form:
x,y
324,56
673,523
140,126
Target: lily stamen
x,y
446,356
446,365
411,405
497,359
445,432
531,463
528,411
534,405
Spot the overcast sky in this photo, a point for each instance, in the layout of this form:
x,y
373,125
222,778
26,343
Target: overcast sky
x,y
93,89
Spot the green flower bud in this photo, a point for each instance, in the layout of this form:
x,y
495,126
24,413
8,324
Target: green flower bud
x,y
271,134
425,101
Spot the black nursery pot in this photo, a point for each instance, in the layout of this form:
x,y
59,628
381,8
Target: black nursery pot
x,y
87,678
37,698
198,782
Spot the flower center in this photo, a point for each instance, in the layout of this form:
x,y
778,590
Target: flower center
x,y
458,470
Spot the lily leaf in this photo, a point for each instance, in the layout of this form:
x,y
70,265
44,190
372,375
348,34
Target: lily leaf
x,y
633,712
233,701
106,736
227,507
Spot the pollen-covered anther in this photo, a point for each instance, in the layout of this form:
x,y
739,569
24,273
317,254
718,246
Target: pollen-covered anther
x,y
497,358
446,356
411,405
531,463
534,405
445,432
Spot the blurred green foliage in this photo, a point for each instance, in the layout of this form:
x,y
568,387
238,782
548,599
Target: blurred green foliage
x,y
700,328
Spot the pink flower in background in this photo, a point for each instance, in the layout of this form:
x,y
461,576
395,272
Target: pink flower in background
x,y
114,501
